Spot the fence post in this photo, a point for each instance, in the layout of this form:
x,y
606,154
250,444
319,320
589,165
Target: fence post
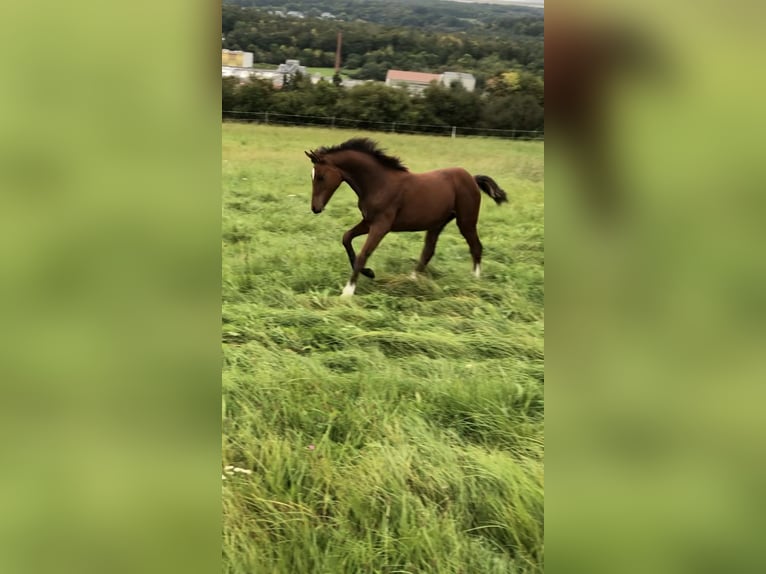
x,y
333,122
453,132
266,120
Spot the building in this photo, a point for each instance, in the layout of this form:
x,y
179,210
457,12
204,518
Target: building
x,y
277,77
416,82
236,59
468,81
291,68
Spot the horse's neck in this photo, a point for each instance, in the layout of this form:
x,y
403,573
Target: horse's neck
x,y
360,173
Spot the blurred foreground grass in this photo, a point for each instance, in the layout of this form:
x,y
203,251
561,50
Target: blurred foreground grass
x,y
655,362
109,291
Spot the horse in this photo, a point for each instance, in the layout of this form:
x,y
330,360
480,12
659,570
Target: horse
x,y
391,198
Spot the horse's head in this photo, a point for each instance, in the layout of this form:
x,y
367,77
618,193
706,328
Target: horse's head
x,y
325,179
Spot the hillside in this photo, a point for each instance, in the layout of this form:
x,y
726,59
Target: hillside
x,y
481,39
444,15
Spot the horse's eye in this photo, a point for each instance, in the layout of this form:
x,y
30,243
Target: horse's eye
x,y
320,178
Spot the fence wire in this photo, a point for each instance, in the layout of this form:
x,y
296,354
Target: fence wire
x,y
393,127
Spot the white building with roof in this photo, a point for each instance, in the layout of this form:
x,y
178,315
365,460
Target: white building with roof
x,y
467,80
416,82
236,58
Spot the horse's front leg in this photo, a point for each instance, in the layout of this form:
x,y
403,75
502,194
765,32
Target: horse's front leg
x,y
360,228
374,235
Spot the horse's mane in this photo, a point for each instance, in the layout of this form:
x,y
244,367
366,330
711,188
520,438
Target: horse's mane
x,y
368,146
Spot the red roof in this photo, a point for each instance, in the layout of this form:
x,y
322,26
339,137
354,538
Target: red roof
x,y
402,76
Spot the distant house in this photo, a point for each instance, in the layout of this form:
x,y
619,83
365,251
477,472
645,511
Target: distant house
x,y
236,58
467,80
292,67
415,82
277,77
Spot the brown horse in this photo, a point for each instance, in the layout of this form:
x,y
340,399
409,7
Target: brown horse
x,y
391,198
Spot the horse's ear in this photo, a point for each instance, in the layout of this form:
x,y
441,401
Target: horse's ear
x,y
312,156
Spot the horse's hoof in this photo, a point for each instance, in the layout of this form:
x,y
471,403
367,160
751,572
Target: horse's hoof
x,y
367,272
414,276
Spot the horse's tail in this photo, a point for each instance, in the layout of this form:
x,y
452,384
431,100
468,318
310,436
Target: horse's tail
x,y
490,187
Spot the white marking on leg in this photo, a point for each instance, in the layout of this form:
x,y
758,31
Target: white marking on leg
x,y
477,271
312,173
413,275
348,290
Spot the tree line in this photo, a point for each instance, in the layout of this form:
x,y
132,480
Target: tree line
x,y
434,15
509,101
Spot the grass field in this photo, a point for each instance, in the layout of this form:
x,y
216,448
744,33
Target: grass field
x,y
400,430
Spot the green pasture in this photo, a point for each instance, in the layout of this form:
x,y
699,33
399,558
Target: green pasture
x,y
400,430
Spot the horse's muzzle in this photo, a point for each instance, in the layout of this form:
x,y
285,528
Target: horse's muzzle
x,y
316,209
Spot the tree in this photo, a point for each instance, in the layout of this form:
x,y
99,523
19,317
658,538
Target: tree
x,y
353,61
517,82
255,95
453,106
229,96
516,111
371,71
375,103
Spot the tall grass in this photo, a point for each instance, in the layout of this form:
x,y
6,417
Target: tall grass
x,y
402,430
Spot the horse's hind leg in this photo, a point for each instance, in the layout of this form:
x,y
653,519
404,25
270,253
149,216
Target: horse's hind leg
x,y
467,226
360,228
432,236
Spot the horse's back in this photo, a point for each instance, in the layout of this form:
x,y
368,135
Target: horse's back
x,y
431,198
453,174
466,195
